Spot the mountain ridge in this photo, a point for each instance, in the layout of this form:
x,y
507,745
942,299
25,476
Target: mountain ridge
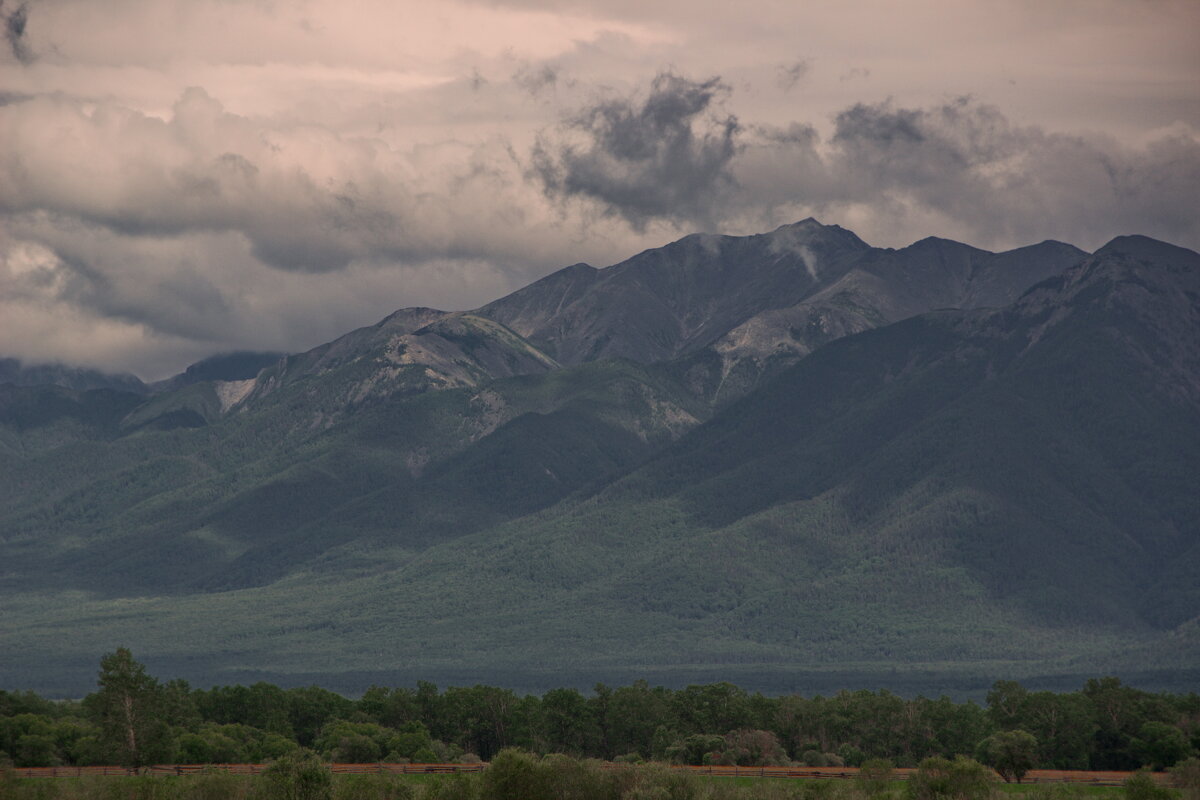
x,y
998,483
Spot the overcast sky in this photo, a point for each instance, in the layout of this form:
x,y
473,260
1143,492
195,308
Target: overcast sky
x,y
185,177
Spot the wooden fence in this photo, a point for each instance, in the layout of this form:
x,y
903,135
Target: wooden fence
x,y
1033,776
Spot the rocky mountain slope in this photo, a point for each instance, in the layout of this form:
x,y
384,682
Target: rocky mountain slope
x,y
674,299
745,307
882,287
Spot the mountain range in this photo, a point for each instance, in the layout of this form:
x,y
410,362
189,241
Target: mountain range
x,y
788,459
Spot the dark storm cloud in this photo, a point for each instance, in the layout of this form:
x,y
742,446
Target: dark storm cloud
x,y
15,22
790,74
667,156
960,169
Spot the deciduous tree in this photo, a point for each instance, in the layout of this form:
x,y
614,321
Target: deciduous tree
x,y
1010,753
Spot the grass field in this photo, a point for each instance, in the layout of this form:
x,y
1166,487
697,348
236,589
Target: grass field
x,y
582,780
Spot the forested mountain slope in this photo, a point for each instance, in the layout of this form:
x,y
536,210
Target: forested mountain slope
x,y
997,486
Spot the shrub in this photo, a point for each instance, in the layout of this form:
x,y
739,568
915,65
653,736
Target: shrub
x,y
656,783
940,779
371,787
875,777
819,790
217,785
851,755
425,756
7,776
1185,776
454,787
298,776
1142,786
516,775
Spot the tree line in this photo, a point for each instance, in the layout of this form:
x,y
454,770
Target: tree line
x,y
132,718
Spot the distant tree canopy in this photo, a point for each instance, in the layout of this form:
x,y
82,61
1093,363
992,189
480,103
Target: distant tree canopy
x,y
134,719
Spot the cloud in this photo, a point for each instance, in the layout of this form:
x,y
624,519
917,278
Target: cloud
x,y
664,156
335,161
997,183
307,198
960,169
536,79
15,22
788,75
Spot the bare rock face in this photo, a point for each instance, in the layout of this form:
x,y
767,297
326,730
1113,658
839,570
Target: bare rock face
x,y
409,352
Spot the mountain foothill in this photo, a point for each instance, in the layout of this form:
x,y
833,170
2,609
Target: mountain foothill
x,y
776,458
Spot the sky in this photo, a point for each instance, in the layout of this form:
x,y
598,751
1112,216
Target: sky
x,y
180,178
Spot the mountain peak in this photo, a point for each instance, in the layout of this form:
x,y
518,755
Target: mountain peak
x,y
1143,248
410,318
806,223
810,227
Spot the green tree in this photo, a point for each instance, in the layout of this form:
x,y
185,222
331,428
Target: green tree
x,y
1010,753
1160,745
566,723
748,747
310,707
629,717
1006,703
1063,724
695,748
712,708
128,710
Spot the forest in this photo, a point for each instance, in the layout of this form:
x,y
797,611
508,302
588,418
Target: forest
x,y
135,719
